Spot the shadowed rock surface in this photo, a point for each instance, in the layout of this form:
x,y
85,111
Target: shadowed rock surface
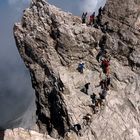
x,y
52,43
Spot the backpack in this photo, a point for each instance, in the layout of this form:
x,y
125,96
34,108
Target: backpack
x,y
105,63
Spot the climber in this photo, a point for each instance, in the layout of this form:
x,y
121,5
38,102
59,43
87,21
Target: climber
x,y
107,55
105,65
105,27
93,97
103,84
92,18
102,96
81,67
95,101
96,106
104,55
107,82
88,119
84,17
87,87
55,33
101,55
100,11
103,52
104,81
102,77
77,128
99,17
99,21
95,22
102,42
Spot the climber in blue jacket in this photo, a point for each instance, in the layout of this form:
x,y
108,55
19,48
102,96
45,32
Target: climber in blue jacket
x,y
81,67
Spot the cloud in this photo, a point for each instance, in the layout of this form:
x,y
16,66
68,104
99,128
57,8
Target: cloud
x,y
18,4
78,6
17,98
91,6
88,5
12,2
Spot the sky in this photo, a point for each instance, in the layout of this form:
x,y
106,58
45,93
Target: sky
x,y
17,98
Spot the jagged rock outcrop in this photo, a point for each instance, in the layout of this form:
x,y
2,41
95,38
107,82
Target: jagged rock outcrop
x,y
123,17
52,43
22,134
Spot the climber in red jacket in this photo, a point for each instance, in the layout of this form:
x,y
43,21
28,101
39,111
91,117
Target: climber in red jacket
x,y
105,65
92,18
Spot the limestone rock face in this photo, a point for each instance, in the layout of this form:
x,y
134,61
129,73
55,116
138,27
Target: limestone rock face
x,y
22,134
52,43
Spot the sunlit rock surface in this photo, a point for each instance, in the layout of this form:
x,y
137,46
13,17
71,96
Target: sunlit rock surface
x,y
22,134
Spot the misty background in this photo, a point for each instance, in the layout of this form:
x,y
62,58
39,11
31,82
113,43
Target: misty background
x,y
17,98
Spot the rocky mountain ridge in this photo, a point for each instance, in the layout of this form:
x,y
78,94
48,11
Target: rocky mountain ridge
x,y
52,43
